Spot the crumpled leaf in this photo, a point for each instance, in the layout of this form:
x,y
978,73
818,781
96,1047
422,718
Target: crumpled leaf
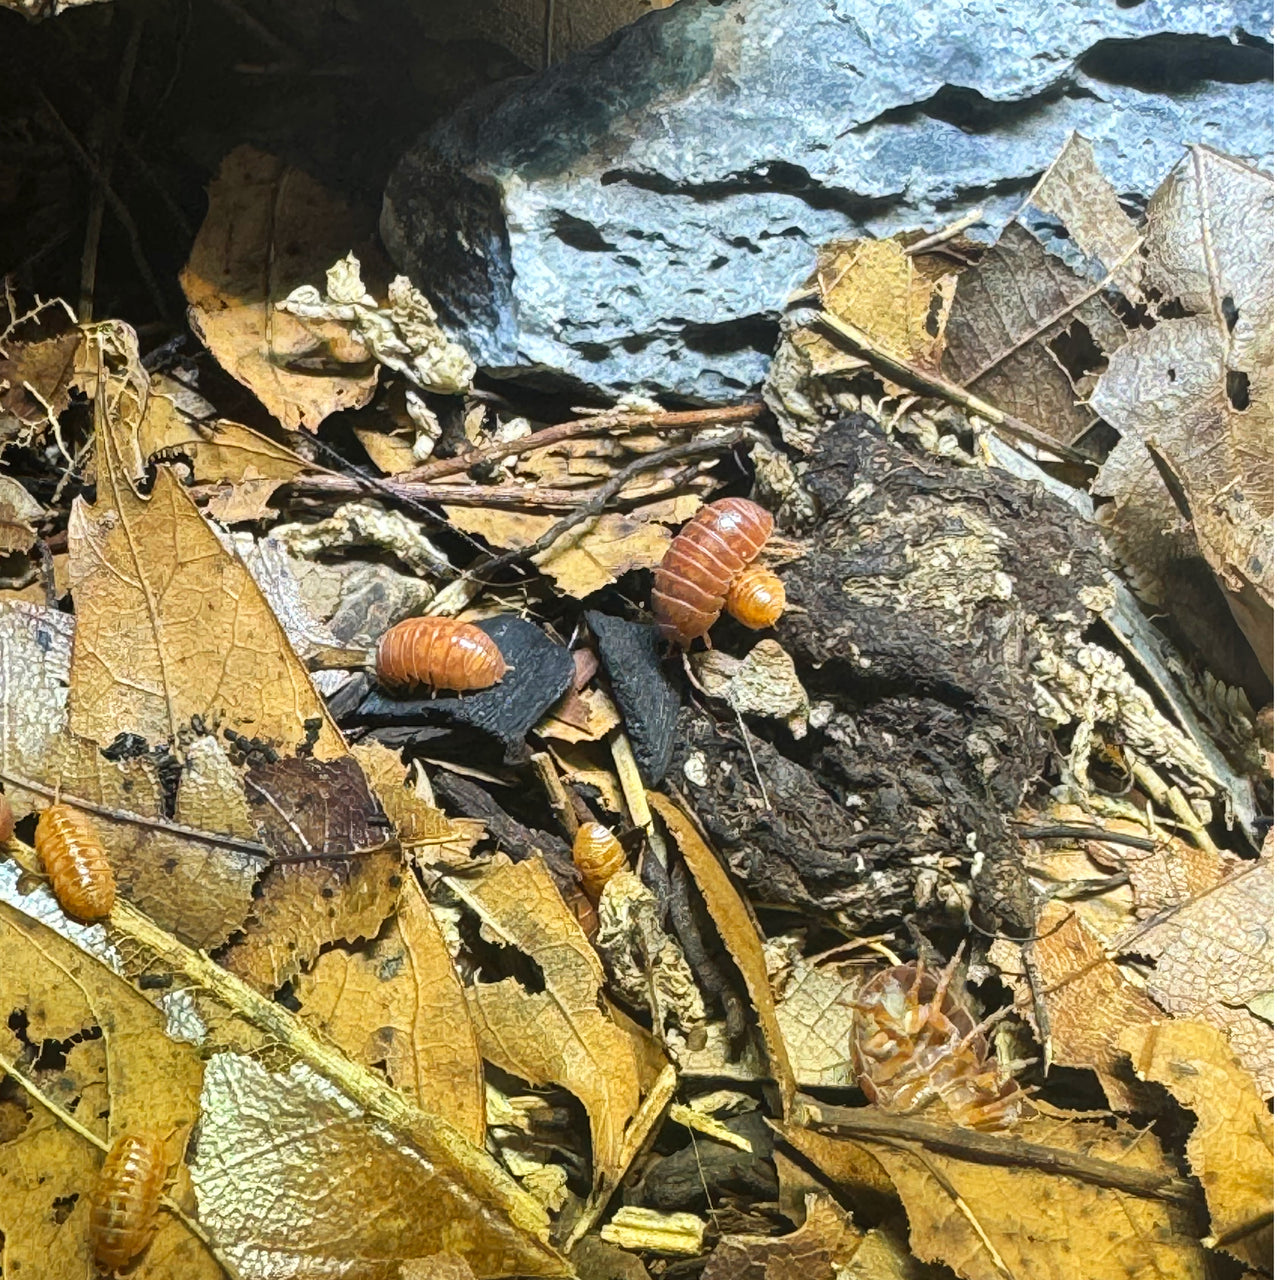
x,y
347,1198
399,1002
1035,1223
170,627
584,716
404,336
121,1072
815,1015
270,228
1030,326
1213,955
1088,1001
38,350
362,524
738,932
829,1246
764,683
563,1034
583,559
1198,390
198,888
18,512
1232,1148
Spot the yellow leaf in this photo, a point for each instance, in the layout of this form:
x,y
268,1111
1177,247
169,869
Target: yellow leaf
x,y
559,1035
400,1002
738,932
1231,1150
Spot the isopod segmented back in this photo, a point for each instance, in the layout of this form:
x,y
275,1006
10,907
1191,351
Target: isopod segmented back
x,y
73,857
127,1197
438,653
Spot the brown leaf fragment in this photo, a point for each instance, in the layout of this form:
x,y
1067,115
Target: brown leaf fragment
x,y
269,229
18,512
991,1222
816,1016
562,1034
170,626
1232,1148
822,1249
38,353
440,1266
1029,328
739,933
347,1197
400,1002
1214,954
1089,1003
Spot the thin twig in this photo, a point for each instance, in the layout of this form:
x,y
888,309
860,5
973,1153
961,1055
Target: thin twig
x,y
1070,831
941,387
871,1125
597,425
949,232
602,495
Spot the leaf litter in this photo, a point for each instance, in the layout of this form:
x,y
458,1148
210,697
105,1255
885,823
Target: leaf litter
x,y
352,959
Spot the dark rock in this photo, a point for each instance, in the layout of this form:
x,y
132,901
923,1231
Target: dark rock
x,y
686,1178
643,688
635,217
540,674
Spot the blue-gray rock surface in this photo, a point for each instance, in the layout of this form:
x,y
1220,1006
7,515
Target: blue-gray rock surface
x,y
634,218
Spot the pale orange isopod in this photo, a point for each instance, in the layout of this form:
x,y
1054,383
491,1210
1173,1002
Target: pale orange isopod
x,y
690,584
756,597
72,856
126,1199
598,855
438,653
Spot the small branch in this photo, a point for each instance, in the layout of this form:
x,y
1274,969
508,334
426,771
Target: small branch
x,y
871,1125
597,425
1068,831
949,232
600,497
931,384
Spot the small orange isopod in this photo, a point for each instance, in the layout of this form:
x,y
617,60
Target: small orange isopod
x,y
72,856
123,1213
756,597
598,854
6,819
438,653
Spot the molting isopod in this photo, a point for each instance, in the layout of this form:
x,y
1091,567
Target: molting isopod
x,y
756,597
72,856
690,585
438,653
123,1214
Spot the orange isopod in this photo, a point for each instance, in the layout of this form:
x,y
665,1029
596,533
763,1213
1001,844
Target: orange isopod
x,y
438,653
6,819
598,854
756,597
72,856
127,1196
690,585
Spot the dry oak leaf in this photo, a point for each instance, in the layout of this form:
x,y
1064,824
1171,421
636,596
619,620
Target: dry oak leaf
x,y
1089,1003
815,1014
1214,954
400,1002
170,626
1030,326
269,229
739,933
195,887
347,1197
1232,1148
121,1073
581,560
38,351
822,1249
990,1222
564,1033
1198,389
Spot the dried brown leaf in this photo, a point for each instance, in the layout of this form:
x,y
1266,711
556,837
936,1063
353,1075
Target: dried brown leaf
x,y
38,353
1232,1148
563,1034
269,229
580,717
816,1016
170,626
764,683
822,1249
989,1222
1214,954
400,1002
1198,389
1030,323
848,1165
1088,1001
739,933
347,1197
